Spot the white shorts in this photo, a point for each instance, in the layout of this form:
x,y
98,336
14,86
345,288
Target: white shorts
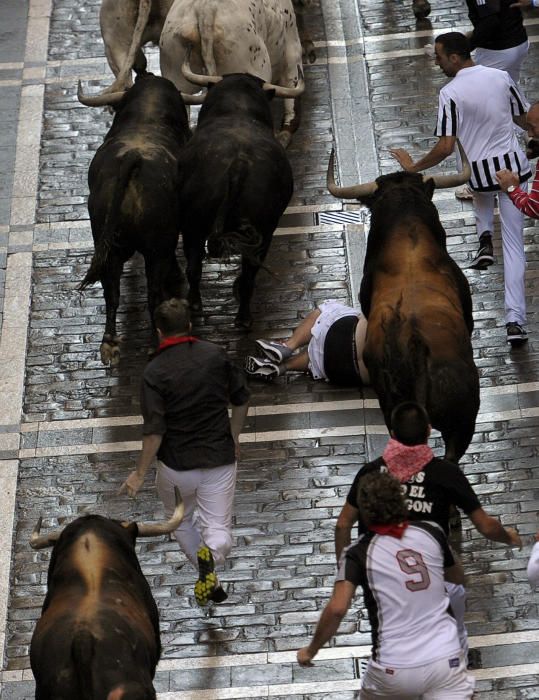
x,y
331,311
445,679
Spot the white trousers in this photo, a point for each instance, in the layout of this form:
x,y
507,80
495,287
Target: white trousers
x,y
509,60
514,259
445,679
211,491
457,597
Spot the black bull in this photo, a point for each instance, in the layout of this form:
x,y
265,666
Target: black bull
x,y
236,182
98,635
419,310
134,196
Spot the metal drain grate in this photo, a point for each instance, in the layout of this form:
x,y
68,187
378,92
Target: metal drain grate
x,y
340,217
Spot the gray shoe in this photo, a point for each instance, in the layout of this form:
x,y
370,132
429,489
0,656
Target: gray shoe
x,y
277,352
263,369
516,335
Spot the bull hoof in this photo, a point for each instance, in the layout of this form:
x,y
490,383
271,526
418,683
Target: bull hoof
x,y
244,321
421,9
110,353
308,52
284,137
195,303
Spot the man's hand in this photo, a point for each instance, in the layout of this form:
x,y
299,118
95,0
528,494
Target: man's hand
x,y
305,657
237,449
506,178
521,3
514,537
132,484
403,157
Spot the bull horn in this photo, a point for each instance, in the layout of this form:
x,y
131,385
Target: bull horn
x,y
101,100
286,92
196,78
189,99
151,529
38,541
442,181
354,192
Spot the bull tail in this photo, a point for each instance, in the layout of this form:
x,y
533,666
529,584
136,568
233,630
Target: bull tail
x,y
246,240
405,373
107,236
82,655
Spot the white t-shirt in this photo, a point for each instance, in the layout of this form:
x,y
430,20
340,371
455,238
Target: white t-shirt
x,y
404,592
477,106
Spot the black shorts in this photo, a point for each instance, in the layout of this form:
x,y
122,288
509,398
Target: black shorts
x,y
340,356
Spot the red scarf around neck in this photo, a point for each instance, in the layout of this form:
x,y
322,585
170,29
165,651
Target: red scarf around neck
x,y
403,461
394,530
176,340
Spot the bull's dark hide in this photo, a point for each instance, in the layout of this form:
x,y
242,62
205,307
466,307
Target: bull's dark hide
x,y
134,197
98,635
236,182
419,310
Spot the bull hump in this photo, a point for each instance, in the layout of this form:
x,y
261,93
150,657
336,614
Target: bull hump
x,y
90,558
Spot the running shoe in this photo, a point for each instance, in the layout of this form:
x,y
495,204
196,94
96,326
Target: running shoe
x,y
278,352
516,335
485,255
207,583
464,192
262,369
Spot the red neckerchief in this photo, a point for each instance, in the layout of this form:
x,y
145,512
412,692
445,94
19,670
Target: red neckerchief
x,y
394,530
403,461
176,340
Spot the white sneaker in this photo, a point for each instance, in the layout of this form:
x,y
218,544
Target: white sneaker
x,y
464,192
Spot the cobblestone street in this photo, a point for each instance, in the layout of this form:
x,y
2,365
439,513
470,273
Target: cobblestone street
x,y
70,428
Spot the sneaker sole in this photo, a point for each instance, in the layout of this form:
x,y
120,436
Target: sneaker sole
x,y
207,579
516,341
482,264
270,352
255,370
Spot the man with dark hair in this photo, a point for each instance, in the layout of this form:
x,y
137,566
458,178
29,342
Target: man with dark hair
x,y
431,486
479,106
401,567
186,390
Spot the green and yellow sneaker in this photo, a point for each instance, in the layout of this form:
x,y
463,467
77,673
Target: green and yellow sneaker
x,y
207,579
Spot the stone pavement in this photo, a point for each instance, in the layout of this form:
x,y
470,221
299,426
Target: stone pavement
x,y
70,428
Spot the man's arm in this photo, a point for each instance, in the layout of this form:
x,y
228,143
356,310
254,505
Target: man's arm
x,y
455,573
238,414
527,203
150,447
330,619
343,529
439,152
492,529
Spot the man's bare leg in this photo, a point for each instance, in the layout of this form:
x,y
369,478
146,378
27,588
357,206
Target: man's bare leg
x,y
302,335
298,363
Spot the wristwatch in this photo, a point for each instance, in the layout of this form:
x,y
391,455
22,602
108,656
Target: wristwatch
x,y
511,189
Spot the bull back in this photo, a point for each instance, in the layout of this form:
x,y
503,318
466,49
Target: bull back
x,y
99,626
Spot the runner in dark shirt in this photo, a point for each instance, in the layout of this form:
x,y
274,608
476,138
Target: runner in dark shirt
x,y
186,391
431,486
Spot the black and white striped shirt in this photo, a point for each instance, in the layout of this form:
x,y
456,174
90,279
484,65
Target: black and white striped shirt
x,y
478,106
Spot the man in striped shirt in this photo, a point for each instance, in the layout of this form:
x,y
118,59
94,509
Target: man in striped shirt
x,y
479,106
509,181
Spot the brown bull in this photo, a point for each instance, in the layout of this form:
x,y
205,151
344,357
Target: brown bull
x,y
98,635
418,305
